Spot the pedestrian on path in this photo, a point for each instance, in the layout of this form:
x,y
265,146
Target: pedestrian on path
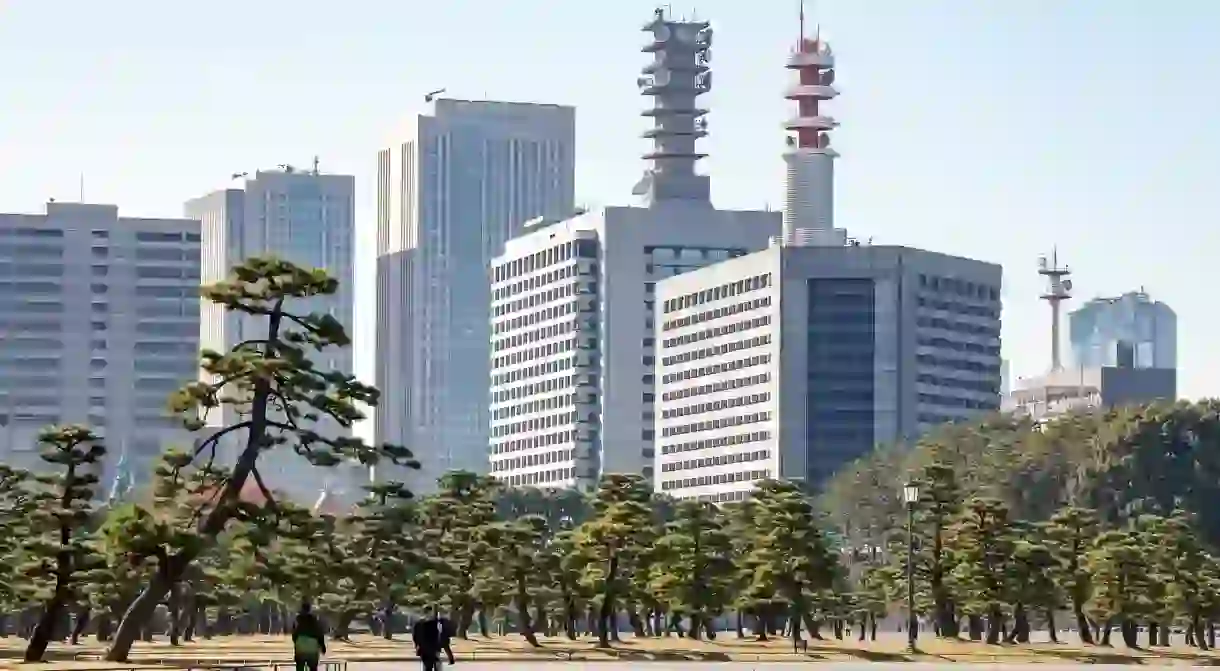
x,y
308,641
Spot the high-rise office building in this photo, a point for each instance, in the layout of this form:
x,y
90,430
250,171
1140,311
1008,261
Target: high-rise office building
x,y
572,388
304,217
790,362
99,323
1131,331
451,189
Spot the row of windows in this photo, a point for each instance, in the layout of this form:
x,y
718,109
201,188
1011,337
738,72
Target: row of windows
x,y
984,386
148,236
534,300
958,287
539,424
573,249
718,441
544,368
542,333
958,346
718,350
719,479
24,231
532,442
718,331
723,497
715,424
960,308
714,406
718,460
549,277
19,269
717,313
957,364
553,402
542,478
32,251
549,349
534,388
955,402
718,293
20,287
959,327
531,460
547,314
716,387
717,368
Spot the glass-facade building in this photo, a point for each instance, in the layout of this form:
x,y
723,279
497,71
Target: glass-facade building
x,y
452,188
1130,331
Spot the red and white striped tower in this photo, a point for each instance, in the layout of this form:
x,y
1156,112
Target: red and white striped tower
x,y
809,201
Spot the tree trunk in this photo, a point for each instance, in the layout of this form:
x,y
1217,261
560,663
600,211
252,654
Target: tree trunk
x,y
82,622
1129,633
1211,635
606,612
995,620
174,608
1082,623
1152,632
974,624
1020,625
741,625
523,611
872,625
105,624
1163,638
41,637
1105,633
1052,629
863,622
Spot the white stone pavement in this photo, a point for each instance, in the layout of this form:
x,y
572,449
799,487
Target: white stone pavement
x,y
722,666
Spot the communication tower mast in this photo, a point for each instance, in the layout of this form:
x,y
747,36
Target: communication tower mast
x,y
679,73
1058,289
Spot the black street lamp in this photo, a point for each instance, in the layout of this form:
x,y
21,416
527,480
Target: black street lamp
x,y
910,495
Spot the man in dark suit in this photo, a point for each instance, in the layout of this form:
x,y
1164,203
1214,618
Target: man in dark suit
x,y
431,636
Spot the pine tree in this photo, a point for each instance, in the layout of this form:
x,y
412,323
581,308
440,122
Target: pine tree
x,y
694,568
1070,534
58,543
610,544
1121,583
274,387
1032,588
789,553
982,548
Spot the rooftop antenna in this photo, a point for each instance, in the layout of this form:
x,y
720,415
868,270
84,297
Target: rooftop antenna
x,y
82,187
801,37
315,165
1058,289
431,95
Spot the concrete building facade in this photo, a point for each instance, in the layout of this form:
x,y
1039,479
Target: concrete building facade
x,y
574,334
99,323
304,217
452,188
789,362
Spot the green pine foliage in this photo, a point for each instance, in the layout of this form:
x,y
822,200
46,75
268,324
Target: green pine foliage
x,y
1107,520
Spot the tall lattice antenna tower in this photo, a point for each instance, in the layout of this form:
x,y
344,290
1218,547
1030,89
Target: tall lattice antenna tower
x,y
679,73
1058,290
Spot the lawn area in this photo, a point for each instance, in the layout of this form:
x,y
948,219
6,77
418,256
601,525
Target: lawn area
x,y
262,650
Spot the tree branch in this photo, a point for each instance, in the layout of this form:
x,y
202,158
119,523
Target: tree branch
x,y
262,487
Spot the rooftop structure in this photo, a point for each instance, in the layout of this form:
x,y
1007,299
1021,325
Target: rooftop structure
x,y
675,78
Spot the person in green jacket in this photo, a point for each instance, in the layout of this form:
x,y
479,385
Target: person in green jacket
x,y
308,641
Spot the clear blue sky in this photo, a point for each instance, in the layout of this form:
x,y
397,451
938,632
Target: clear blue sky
x,y
989,129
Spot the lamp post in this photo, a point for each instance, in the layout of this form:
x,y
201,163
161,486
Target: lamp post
x,y
910,495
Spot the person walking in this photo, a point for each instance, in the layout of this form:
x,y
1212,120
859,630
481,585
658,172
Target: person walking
x,y
308,641
431,637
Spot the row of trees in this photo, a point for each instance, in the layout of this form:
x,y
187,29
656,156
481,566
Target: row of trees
x,y
1010,528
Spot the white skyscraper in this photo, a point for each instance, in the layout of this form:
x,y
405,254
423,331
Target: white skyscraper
x,y
304,217
99,323
573,330
452,187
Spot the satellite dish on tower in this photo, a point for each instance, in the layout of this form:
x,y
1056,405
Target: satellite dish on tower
x,y
828,77
823,140
1067,285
